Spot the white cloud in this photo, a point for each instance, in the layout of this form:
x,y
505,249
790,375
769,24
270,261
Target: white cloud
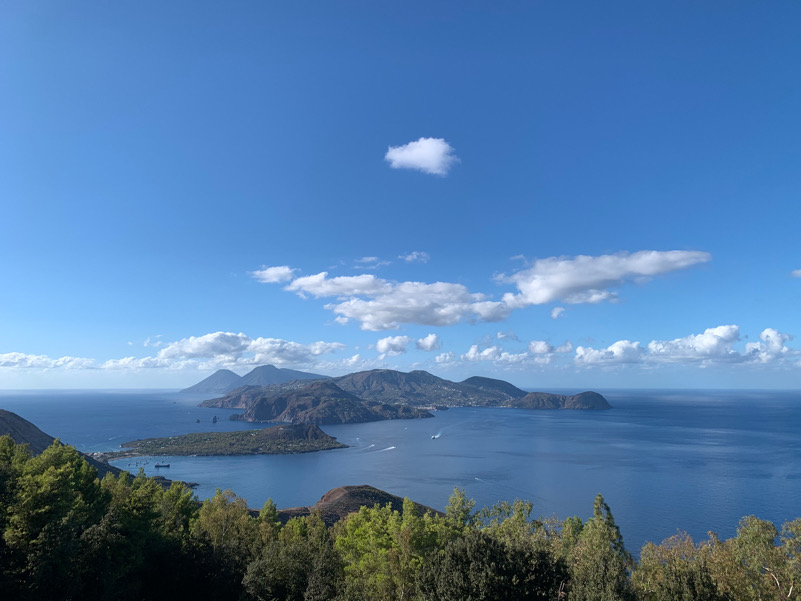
x,y
491,353
446,358
416,256
370,263
388,305
321,285
494,354
586,279
556,312
796,273
273,275
622,351
26,361
392,345
428,343
429,155
564,348
378,304
771,348
153,341
510,335
227,349
714,344
539,347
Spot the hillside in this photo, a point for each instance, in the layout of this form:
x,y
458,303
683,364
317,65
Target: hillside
x,y
320,402
494,386
24,432
269,374
544,400
344,500
415,388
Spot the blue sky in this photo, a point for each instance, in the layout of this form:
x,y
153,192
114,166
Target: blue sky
x,y
562,195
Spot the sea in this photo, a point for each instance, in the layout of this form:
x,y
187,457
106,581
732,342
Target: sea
x,y
664,460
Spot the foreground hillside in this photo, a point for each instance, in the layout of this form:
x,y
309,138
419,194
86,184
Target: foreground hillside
x,y
68,535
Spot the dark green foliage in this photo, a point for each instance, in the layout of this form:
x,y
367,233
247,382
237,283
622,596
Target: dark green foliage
x,y
300,565
478,566
67,535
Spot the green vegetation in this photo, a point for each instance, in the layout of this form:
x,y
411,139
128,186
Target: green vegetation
x,y
68,535
278,440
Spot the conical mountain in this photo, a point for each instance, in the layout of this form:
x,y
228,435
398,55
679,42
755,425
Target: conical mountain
x,y
266,375
220,382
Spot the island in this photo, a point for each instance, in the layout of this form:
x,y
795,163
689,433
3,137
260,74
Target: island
x,y
277,440
380,394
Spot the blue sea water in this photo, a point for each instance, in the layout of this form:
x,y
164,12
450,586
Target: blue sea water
x,y
686,460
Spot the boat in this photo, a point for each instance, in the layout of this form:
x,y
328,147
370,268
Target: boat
x,y
162,465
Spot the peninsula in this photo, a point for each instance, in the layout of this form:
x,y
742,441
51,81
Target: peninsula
x,y
277,440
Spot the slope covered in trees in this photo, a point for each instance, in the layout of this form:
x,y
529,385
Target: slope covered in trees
x,y
68,535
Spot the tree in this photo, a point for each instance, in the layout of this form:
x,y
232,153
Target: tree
x,y
300,565
599,562
56,498
675,570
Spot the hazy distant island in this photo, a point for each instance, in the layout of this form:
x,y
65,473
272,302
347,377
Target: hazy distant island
x,y
277,440
291,396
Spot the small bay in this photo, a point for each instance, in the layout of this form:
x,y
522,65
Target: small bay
x,y
665,460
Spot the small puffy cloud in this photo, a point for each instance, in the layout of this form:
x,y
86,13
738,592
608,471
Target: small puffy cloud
x,y
429,155
556,312
494,354
622,351
587,279
273,275
491,353
416,256
510,335
445,358
153,341
428,343
564,348
370,263
771,348
539,347
392,345
796,273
